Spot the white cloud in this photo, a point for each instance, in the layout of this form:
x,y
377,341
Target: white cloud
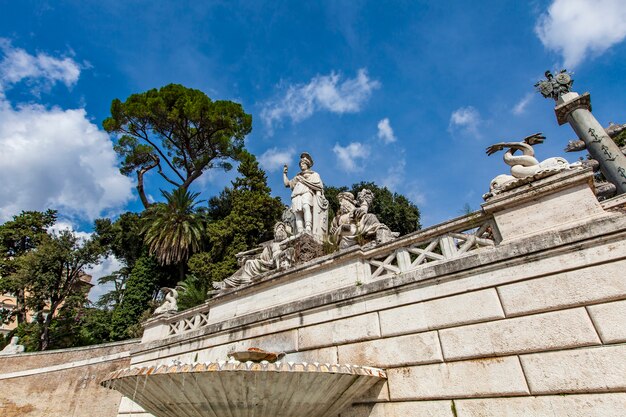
x,y
55,158
467,119
351,157
51,157
274,159
65,224
520,107
578,28
40,71
323,92
385,132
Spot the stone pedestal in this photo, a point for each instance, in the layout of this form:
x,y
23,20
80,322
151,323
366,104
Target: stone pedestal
x,y
576,110
545,204
306,248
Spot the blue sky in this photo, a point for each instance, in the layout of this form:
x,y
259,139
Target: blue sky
x,y
404,93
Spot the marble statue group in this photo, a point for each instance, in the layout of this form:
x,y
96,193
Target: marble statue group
x,y
304,225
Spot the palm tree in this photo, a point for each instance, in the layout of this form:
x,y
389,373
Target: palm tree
x,y
173,230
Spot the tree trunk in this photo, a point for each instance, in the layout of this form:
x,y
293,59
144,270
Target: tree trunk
x,y
44,339
181,271
20,304
140,189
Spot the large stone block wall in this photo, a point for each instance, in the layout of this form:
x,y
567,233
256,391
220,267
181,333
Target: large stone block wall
x,y
62,382
531,327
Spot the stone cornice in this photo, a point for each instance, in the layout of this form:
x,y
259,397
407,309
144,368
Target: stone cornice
x,y
563,110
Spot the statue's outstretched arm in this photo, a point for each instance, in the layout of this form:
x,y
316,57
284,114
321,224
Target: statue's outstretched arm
x,y
285,178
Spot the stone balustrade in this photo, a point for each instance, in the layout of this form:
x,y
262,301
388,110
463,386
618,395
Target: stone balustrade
x,y
446,241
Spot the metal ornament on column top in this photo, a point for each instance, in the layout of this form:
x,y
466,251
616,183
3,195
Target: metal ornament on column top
x,y
575,109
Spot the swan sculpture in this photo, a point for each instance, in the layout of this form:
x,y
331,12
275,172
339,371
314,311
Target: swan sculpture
x,y
170,304
524,167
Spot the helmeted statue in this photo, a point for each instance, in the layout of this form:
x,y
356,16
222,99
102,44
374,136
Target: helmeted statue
x,y
308,203
555,86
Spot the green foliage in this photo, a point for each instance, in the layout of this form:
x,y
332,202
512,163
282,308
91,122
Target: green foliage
x,y
178,130
141,288
620,139
122,238
174,229
52,275
29,334
114,297
392,209
192,292
94,326
17,238
248,220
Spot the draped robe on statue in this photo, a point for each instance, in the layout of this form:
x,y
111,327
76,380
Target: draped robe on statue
x,y
308,189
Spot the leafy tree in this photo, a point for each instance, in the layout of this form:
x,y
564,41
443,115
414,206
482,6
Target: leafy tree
x,y
114,297
177,130
52,276
392,209
122,238
240,218
17,238
174,229
192,292
142,287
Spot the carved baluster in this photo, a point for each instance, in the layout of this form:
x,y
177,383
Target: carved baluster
x,y
448,246
404,259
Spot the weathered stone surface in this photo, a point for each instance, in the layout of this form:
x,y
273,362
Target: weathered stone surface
x,y
395,351
601,369
306,248
402,409
610,321
127,406
460,309
61,383
236,388
378,393
594,284
297,287
591,405
545,205
466,379
338,332
323,355
547,331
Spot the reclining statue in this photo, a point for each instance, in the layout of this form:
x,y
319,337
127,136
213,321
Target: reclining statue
x,y
273,257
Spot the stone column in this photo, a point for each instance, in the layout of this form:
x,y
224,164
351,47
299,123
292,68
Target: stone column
x,y
576,110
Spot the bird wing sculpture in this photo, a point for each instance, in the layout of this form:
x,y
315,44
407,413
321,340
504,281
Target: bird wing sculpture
x,y
525,145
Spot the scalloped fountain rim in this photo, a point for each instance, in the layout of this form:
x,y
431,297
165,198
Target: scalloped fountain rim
x,y
233,388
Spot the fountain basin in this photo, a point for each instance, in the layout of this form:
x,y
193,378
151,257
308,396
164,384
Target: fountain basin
x,y
245,389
